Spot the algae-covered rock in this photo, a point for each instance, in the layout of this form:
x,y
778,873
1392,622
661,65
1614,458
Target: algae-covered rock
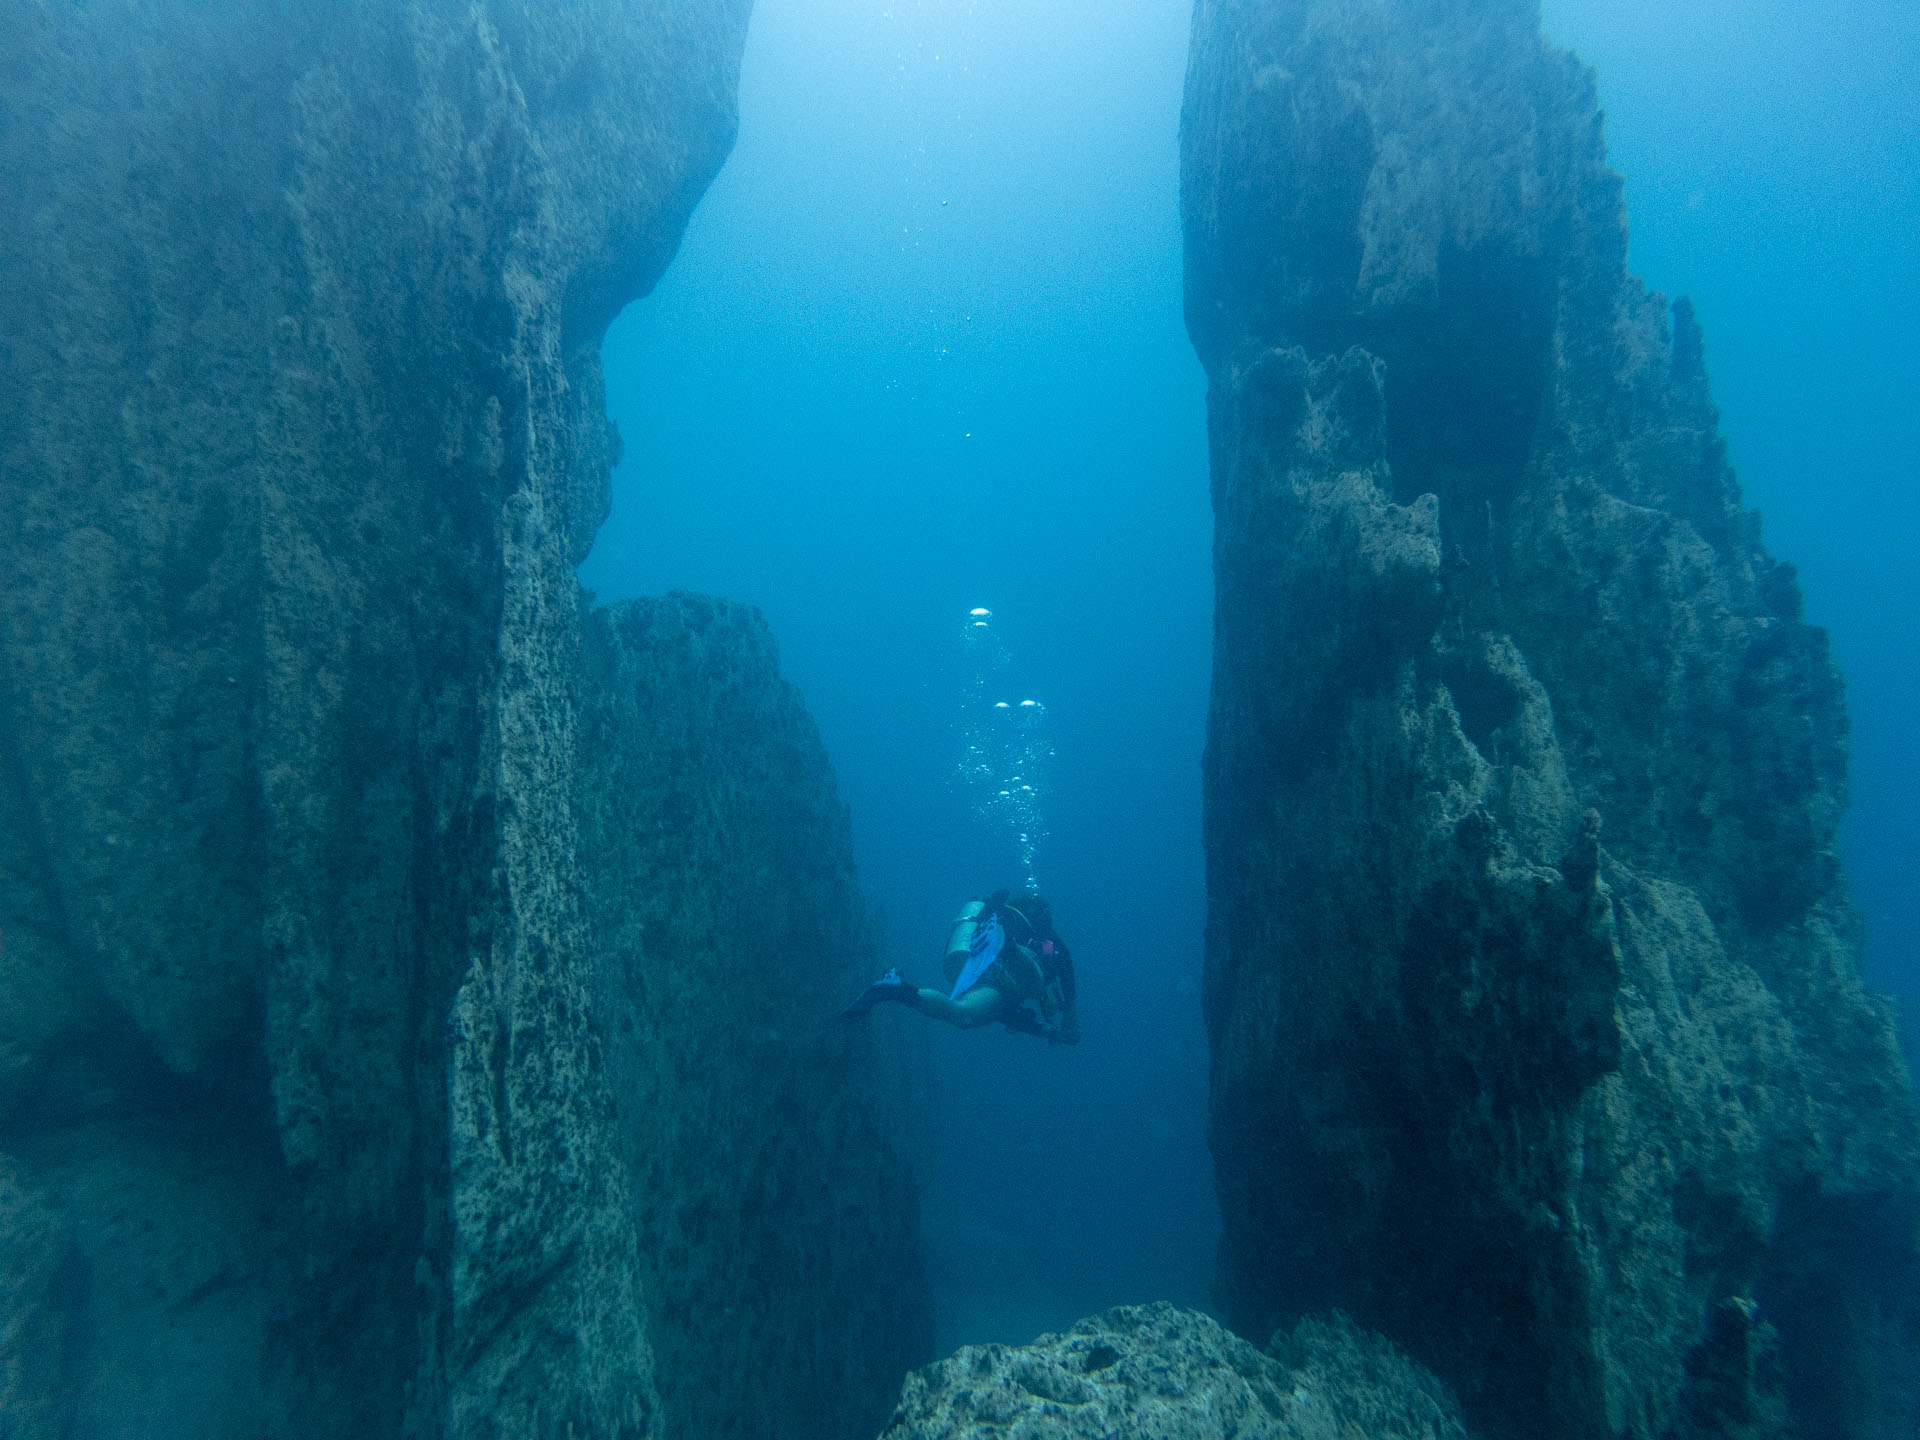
x,y
306,1117
1155,1372
1539,1042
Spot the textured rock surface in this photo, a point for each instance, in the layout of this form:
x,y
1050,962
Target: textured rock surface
x,y
1154,1372
305,1114
777,1214
1599,1124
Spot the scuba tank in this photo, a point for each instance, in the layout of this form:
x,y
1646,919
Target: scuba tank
x,y
960,939
986,931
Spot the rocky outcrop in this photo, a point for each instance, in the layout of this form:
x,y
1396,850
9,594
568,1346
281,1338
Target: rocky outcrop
x,y
308,1114
1155,1372
1538,1037
778,1215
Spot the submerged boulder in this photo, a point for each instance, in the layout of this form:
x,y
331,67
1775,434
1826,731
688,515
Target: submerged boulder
x,y
1538,1036
1156,1372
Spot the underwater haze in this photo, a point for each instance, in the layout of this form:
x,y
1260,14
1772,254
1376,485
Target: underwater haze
x,y
922,351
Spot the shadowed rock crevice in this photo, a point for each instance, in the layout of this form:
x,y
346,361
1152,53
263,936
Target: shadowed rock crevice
x,y
1538,1037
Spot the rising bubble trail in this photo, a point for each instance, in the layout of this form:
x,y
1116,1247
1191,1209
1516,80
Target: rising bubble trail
x,y
1005,753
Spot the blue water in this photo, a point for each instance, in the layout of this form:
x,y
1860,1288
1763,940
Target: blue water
x,y
922,351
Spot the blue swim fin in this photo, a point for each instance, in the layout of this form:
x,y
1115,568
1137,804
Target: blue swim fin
x,y
988,940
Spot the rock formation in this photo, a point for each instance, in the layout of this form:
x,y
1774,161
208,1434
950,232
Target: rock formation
x,y
1154,1372
1538,1037
778,1223
311,1027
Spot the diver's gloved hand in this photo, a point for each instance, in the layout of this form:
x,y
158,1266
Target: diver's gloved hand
x,y
890,986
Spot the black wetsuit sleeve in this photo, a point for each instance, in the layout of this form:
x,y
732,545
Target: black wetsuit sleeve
x,y
1069,1011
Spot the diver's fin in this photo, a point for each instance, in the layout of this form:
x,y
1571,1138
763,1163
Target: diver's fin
x,y
988,940
890,986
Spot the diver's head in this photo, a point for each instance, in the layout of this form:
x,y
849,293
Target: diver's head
x,y
1033,905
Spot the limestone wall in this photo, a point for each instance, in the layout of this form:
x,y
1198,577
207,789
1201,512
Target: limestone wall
x,y
769,1141
1538,1037
306,1122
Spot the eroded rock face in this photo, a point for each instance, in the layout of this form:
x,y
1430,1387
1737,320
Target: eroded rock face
x,y
768,1140
306,1122
1155,1372
1538,1037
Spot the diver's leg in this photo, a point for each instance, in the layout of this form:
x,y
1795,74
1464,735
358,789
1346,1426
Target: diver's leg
x,y
979,1006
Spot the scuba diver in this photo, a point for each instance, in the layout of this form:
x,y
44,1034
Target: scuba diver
x,y
1005,962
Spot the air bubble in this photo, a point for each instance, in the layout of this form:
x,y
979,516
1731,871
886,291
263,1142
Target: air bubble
x,y
1004,753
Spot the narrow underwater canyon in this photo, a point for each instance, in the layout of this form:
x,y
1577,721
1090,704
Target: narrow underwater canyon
x,y
408,969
